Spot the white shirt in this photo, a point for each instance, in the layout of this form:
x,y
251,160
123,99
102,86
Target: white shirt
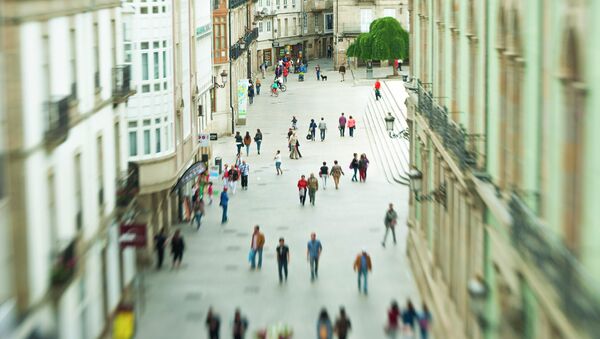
x,y
277,157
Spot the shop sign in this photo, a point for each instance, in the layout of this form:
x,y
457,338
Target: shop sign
x,y
276,44
203,139
133,235
213,136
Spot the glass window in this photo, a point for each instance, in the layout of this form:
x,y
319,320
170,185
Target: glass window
x,y
164,64
144,10
165,85
127,47
156,68
157,87
164,43
293,3
145,75
284,3
156,44
132,143
145,45
366,17
145,88
132,124
147,141
155,9
146,122
157,140
268,26
329,22
260,27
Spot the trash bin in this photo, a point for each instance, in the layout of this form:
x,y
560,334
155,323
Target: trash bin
x,y
219,163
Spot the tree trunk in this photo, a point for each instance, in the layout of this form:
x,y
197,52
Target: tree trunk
x,y
395,70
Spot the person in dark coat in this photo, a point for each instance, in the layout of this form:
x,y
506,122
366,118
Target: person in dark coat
x,y
177,248
160,242
213,324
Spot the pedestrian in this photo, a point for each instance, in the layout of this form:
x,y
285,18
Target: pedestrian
x,y
354,166
363,164
258,140
226,175
160,242
198,212
409,315
312,129
318,70
390,221
351,125
240,325
256,247
302,185
294,146
258,84
424,322
238,160
286,72
213,324
313,254
177,248
392,327
289,135
283,259
324,173
336,173
362,265
277,159
342,124
329,51
234,175
244,171
209,191
251,93
324,327
238,142
342,71
274,87
294,123
247,142
342,324
313,187
224,202
377,89
322,128
298,148
263,68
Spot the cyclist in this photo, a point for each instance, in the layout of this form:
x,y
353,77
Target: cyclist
x,y
274,88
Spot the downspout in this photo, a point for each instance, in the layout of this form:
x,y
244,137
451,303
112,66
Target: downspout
x,y
486,100
540,18
230,72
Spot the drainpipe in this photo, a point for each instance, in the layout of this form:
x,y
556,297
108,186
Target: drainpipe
x,y
230,73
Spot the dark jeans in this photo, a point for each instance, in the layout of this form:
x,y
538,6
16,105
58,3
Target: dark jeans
x,y
313,134
354,176
244,181
257,252
303,198
258,90
282,269
342,130
251,99
258,146
322,134
314,267
177,256
224,217
161,257
239,148
318,75
351,129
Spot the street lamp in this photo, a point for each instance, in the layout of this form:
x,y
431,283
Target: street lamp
x,y
389,126
478,292
439,194
223,79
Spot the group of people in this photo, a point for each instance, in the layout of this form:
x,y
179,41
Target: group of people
x,y
343,122
409,316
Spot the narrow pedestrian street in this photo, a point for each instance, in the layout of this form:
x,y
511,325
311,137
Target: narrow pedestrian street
x,y
215,270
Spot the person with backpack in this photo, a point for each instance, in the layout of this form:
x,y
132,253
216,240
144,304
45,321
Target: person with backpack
x,y
342,324
247,142
240,325
390,220
336,173
424,322
324,327
238,142
251,93
324,173
312,129
322,128
258,139
354,166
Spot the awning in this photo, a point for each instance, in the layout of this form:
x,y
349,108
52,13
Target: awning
x,y
189,174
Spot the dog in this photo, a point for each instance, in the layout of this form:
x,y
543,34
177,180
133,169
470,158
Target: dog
x,y
323,77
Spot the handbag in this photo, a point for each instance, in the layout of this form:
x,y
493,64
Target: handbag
x,y
309,136
251,255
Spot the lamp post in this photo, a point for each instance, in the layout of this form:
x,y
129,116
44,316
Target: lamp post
x,y
478,293
223,79
416,178
389,126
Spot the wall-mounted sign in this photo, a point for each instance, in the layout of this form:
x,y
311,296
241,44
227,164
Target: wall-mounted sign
x,y
275,44
133,235
213,136
203,139
203,30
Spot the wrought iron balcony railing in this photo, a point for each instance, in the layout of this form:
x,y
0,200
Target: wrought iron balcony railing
x,y
577,291
239,47
122,82
236,3
57,119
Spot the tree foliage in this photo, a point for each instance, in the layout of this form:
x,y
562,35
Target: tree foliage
x,y
386,40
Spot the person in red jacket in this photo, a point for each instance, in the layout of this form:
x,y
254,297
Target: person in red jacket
x,y
302,184
286,71
377,89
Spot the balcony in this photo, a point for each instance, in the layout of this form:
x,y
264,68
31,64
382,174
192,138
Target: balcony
x,y
243,44
121,89
64,268
351,29
236,3
128,186
321,5
57,120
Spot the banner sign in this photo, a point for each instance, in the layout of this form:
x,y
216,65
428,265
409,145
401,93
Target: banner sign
x,y
132,235
203,139
242,97
191,173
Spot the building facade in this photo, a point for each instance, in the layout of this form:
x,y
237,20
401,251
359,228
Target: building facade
x,y
64,109
503,103
279,30
354,17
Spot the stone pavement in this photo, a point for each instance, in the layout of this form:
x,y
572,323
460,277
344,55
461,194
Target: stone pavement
x,y
215,268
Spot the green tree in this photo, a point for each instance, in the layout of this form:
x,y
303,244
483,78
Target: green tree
x,y
386,40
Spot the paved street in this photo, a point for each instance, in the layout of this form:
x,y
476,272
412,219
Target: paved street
x,y
215,268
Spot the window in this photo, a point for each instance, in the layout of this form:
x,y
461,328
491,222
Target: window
x,y
285,24
305,24
73,62
157,136
278,27
133,143
156,68
284,3
100,164
164,64
366,17
145,88
2,173
147,141
155,10
260,27
316,23
52,208
293,3
268,3
144,10
391,12
78,198
96,55
145,75
46,67
329,22
268,26
277,3
294,26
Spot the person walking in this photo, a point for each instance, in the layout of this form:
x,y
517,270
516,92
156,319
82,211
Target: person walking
x,y
313,254
342,71
302,185
258,140
425,322
324,327
213,324
324,173
342,124
244,171
283,259
351,125
251,93
263,68
277,159
294,123
362,265
393,314
312,129
256,247
198,212
177,248
363,164
209,191
274,88
160,242
289,136
354,166
390,221
313,187
240,325
224,202
342,324
318,71
238,142
293,146
322,128
409,315
247,142
234,175
258,84
286,72
377,89
336,173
